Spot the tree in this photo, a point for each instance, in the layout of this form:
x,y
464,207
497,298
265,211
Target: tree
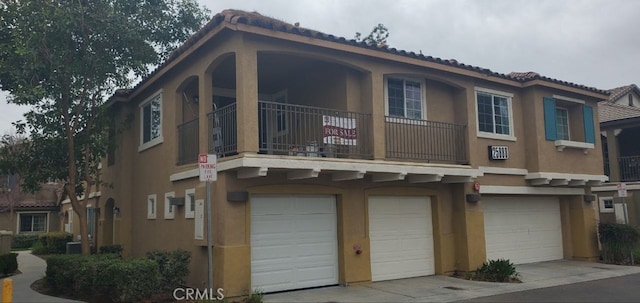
x,y
10,193
63,58
377,37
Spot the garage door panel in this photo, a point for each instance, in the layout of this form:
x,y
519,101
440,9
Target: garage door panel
x,y
523,229
401,237
293,242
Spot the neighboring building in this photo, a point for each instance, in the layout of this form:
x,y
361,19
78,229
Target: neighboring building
x,y
32,213
340,162
620,131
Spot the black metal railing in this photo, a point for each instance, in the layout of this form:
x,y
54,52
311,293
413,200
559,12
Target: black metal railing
x,y
629,168
188,143
298,130
223,131
428,141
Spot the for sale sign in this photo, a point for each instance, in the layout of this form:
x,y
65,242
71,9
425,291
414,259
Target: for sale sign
x,y
208,171
337,130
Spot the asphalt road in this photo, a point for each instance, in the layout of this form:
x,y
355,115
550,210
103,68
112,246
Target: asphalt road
x,y
619,289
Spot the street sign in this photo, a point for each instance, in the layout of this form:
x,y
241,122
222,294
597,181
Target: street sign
x,y
622,190
208,171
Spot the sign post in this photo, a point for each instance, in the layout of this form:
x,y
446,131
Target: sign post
x,y
208,174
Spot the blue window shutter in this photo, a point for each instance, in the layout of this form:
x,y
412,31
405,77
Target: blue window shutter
x,y
550,129
589,129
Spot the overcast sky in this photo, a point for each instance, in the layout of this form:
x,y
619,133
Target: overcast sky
x,y
590,42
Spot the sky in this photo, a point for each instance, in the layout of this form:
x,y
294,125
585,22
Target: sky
x,y
590,42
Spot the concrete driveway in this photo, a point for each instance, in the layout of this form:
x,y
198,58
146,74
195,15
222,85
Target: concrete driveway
x,y
448,289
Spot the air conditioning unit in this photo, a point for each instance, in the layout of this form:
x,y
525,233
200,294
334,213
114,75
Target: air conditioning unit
x,y
74,247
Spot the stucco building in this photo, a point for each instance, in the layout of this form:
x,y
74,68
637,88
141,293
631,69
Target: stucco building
x,y
341,162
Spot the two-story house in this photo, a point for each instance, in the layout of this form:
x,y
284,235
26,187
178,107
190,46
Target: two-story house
x,y
341,162
28,213
620,135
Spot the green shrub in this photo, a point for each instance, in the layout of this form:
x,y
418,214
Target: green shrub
x,y
96,277
618,241
255,297
23,241
111,249
173,266
8,263
39,249
56,242
500,270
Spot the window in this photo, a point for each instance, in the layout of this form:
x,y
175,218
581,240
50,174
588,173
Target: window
x,y
494,114
569,122
169,210
562,123
151,206
606,205
91,222
405,98
151,122
190,203
32,223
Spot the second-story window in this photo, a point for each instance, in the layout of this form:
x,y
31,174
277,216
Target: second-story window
x,y
562,123
494,114
151,121
405,98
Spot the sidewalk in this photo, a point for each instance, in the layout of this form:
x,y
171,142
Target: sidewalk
x,y
32,268
448,289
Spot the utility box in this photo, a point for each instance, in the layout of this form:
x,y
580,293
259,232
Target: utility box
x,y
74,247
6,238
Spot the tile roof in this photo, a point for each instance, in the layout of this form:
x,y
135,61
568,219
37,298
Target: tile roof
x,y
234,17
613,112
31,204
616,93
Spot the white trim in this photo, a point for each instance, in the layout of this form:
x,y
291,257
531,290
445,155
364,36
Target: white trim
x,y
169,210
187,174
546,175
527,190
423,97
602,208
614,187
563,98
155,141
188,212
491,135
562,144
152,207
503,171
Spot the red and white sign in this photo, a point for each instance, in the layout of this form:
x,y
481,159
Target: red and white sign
x,y
341,131
208,171
622,190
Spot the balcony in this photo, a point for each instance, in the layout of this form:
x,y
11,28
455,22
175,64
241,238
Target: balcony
x,y
425,141
305,131
629,168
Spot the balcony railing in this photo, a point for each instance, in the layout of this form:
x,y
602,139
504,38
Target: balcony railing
x,y
188,142
629,168
298,130
428,141
223,138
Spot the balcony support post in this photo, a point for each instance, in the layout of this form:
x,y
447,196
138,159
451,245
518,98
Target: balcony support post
x,y
614,167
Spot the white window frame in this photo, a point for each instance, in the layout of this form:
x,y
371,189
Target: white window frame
x,y
566,110
154,141
493,135
46,221
606,210
423,110
189,198
152,206
169,210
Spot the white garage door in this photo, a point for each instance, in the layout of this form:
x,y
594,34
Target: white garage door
x,y
522,229
294,242
401,237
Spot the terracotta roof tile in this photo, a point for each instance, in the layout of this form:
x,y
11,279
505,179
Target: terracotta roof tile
x,y
232,17
616,93
611,112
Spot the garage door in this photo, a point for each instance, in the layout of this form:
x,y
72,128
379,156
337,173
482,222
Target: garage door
x,y
522,229
401,237
294,242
